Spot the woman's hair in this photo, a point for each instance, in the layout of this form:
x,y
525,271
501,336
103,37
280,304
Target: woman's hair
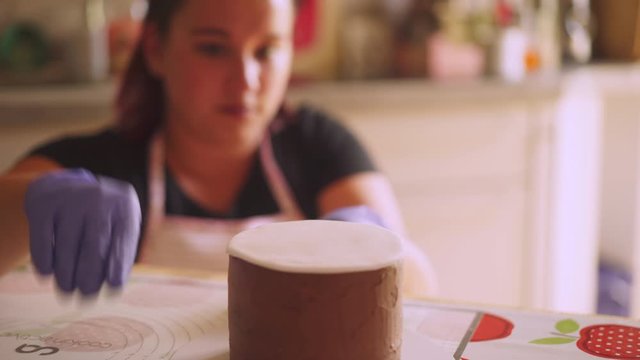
x,y
140,101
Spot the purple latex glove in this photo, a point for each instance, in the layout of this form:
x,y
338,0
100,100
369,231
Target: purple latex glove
x,y
357,214
82,228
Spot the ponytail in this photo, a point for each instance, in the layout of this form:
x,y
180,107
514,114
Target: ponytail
x,y
140,101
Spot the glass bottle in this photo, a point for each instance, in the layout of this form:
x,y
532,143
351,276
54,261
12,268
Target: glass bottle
x,y
89,50
411,38
366,41
124,31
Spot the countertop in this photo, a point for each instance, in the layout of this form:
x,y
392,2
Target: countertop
x,y
95,100
60,102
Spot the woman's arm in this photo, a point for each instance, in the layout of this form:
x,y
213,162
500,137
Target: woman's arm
x,y
14,236
77,226
373,190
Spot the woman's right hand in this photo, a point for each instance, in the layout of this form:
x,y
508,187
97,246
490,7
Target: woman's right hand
x,y
82,228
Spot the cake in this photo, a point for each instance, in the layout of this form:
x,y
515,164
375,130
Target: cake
x,y
315,289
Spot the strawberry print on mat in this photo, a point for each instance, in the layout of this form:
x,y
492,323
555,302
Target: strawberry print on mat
x,y
609,341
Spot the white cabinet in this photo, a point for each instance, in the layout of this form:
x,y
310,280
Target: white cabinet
x,y
459,177
474,170
620,221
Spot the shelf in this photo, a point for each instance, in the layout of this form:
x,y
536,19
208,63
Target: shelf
x,y
64,101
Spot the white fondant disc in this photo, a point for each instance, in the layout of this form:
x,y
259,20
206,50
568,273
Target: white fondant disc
x,y
318,246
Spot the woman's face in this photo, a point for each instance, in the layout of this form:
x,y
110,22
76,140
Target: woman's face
x,y
225,65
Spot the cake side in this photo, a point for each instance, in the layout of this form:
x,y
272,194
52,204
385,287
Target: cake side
x,y
276,315
315,290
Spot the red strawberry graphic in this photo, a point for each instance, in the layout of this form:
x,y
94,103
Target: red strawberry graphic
x,y
610,341
492,327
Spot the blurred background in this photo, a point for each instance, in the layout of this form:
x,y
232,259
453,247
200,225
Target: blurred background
x,y
510,129
84,40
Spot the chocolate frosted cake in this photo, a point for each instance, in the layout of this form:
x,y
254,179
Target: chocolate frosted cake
x,y
315,289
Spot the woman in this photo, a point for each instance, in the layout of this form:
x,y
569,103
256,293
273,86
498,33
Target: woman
x,y
203,148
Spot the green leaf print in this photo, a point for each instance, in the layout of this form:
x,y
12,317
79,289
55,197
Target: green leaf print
x,y
567,326
552,341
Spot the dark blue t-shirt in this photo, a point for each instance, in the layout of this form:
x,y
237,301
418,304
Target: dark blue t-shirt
x,y
312,150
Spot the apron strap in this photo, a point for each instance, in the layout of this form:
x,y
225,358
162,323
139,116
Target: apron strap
x,y
276,181
156,181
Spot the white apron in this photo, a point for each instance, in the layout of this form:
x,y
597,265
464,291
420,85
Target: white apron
x,y
199,243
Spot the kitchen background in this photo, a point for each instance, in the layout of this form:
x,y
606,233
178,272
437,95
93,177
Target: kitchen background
x,y
509,128
79,40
